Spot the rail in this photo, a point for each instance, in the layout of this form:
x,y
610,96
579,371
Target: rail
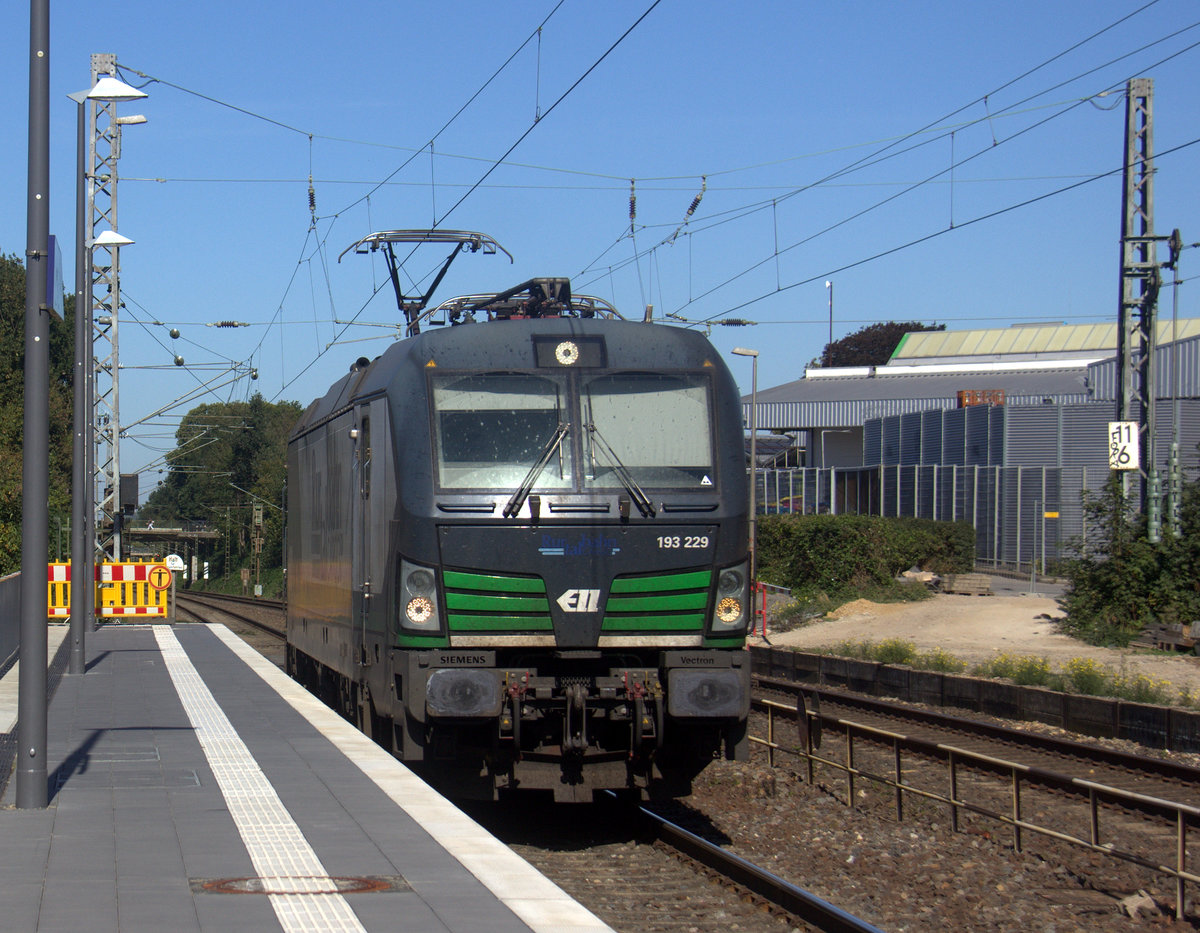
x,y
214,601
809,729
767,885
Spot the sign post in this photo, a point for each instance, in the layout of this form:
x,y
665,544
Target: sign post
x,y
175,564
1123,445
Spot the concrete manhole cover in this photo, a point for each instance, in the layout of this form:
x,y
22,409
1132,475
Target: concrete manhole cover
x,y
301,884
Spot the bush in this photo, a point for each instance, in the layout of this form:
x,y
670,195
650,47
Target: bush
x,y
894,651
1023,669
1119,581
939,660
1142,689
1088,677
1078,675
858,556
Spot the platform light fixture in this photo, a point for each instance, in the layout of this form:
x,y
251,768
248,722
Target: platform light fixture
x,y
115,91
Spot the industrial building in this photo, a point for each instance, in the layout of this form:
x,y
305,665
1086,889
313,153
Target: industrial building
x,y
1002,427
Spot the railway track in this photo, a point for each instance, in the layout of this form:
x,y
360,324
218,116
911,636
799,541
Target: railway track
x,y
782,895
1139,809
271,609
1057,760
259,622
639,871
662,875
636,876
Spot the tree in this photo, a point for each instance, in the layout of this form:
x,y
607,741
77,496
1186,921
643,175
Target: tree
x,y
12,411
228,456
872,345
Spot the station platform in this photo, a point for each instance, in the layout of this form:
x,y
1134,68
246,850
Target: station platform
x,y
194,787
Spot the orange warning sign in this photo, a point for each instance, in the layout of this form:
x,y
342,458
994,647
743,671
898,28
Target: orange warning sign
x,y
159,576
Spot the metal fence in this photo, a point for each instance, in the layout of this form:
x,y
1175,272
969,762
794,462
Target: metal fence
x,y
1020,514
10,619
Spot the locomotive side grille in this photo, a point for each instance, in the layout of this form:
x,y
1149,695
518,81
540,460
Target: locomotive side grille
x,y
671,602
477,602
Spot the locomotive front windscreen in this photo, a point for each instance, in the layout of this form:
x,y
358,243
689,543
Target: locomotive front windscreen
x,y
492,429
657,427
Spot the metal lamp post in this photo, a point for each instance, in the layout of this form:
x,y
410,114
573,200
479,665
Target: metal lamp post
x,y
82,593
753,354
828,352
104,295
106,90
30,767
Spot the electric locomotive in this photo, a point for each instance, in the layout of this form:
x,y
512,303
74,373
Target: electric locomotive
x,y
517,547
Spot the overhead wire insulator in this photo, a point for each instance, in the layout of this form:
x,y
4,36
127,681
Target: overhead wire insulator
x,y
312,200
632,201
696,200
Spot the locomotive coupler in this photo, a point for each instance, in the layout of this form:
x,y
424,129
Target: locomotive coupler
x,y
575,721
644,695
516,695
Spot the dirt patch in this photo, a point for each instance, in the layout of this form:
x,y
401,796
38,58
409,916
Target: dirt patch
x,y
977,628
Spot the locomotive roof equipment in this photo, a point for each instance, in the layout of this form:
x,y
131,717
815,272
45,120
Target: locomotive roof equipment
x,y
465,241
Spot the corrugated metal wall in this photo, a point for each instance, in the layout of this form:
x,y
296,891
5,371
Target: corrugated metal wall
x,y
1033,437
1102,376
1000,435
1018,512
873,441
1020,482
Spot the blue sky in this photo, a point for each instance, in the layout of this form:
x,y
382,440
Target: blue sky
x,y
821,135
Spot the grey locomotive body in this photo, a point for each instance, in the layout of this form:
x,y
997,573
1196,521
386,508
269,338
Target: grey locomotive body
x,y
517,555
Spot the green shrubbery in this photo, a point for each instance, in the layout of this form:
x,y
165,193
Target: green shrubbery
x,y
839,557
1120,582
1083,676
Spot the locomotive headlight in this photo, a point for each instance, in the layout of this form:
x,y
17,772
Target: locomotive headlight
x,y
418,599
731,612
419,610
420,581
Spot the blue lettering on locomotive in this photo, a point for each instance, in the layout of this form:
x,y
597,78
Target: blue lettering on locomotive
x,y
584,546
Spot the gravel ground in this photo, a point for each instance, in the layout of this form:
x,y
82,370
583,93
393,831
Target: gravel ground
x,y
919,875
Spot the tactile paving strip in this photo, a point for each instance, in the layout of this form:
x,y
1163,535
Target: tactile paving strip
x,y
282,857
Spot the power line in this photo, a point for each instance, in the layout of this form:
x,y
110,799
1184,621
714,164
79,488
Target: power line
x,y
932,236
550,110
739,213
534,124
881,155
535,34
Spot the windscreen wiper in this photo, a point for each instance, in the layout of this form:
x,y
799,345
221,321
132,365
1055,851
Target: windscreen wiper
x,y
640,499
522,493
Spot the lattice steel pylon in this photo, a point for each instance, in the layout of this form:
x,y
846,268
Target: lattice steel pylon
x,y
1140,280
104,148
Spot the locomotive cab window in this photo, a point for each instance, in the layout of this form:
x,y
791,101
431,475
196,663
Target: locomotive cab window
x,y
625,417
491,428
